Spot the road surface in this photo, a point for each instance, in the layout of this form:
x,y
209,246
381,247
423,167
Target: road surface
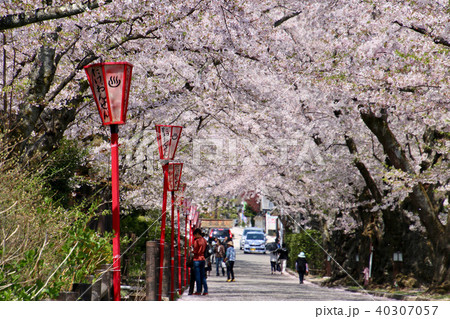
x,y
254,282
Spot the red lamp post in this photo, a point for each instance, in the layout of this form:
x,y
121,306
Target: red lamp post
x,y
175,170
110,85
180,199
167,137
187,244
189,237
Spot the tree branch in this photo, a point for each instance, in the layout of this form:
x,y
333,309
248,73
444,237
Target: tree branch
x,y
422,30
18,20
285,18
373,188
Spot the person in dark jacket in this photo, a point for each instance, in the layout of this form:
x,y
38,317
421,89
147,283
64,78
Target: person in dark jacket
x,y
302,266
190,265
219,251
283,256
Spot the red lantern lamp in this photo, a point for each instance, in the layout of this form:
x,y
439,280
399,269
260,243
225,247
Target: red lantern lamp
x,y
195,221
180,198
167,137
110,85
174,176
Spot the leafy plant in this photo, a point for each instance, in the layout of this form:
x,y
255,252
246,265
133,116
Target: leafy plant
x,y
60,168
306,242
137,228
85,248
44,246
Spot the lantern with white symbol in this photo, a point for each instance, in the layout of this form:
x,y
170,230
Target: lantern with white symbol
x,y
110,85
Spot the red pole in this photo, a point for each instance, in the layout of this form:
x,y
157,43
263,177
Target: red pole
x,y
191,236
163,231
179,249
115,208
185,248
172,248
189,248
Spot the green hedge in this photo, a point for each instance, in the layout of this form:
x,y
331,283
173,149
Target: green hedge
x,y
296,243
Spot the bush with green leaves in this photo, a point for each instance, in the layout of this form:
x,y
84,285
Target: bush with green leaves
x,y
44,247
138,227
307,241
49,249
59,170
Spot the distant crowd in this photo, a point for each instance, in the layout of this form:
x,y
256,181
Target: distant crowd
x,y
204,254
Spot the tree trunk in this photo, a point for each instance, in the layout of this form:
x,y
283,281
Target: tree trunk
x,y
30,109
48,125
437,234
363,170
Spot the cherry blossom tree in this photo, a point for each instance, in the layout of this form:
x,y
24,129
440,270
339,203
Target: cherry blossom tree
x,y
335,110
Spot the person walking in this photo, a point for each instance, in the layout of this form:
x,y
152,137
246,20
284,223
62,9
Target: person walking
x,y
273,261
208,256
190,267
283,251
230,258
200,245
301,265
219,252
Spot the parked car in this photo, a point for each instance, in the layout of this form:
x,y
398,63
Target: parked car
x,y
220,233
255,242
246,231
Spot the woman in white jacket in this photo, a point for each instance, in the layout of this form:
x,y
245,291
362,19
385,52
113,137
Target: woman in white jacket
x,y
273,261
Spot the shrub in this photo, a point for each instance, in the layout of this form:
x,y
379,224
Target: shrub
x,y
44,246
137,228
59,170
306,242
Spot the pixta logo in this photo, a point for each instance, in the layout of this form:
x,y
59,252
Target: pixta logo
x,y
222,151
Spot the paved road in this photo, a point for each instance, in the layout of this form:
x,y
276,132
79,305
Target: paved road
x,y
254,282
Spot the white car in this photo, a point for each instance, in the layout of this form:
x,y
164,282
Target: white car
x,y
246,231
255,242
